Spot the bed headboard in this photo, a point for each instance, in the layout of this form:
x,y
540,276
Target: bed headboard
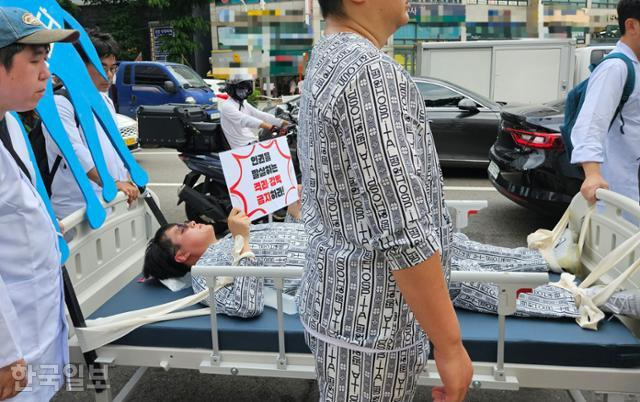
x,y
102,261
616,219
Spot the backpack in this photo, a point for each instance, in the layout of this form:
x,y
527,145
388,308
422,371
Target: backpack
x,y
39,146
577,95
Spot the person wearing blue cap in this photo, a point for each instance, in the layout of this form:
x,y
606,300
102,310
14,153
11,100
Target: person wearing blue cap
x,y
33,328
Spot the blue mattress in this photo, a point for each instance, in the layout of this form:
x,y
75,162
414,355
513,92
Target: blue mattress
x,y
532,341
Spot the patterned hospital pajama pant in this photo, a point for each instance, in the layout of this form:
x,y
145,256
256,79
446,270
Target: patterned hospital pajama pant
x,y
349,375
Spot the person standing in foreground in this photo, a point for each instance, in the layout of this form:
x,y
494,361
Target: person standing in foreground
x,y
607,141
33,328
373,206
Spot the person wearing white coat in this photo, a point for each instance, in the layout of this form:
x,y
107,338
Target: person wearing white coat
x,y
66,197
33,328
239,119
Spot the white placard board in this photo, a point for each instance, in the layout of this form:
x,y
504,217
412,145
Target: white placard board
x,y
260,177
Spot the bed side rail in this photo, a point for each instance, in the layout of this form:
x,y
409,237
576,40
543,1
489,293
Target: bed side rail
x,y
460,210
102,261
615,220
510,283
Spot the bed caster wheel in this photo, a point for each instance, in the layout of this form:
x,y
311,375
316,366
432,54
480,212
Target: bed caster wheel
x,y
476,384
234,371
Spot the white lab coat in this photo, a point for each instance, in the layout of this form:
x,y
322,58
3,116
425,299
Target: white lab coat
x,y
32,319
66,197
592,138
237,124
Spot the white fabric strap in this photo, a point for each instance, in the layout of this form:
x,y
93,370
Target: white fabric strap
x,y
585,227
236,251
346,345
612,259
545,240
590,314
102,331
588,305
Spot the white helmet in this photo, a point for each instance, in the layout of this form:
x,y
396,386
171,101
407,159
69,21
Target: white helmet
x,y
240,77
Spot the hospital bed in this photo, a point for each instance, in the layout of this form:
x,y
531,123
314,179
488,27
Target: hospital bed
x,y
102,279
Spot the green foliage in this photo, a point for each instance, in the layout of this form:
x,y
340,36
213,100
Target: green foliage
x,y
253,98
126,25
181,43
69,6
124,22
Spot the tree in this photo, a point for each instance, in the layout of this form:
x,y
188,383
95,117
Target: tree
x,y
69,6
124,24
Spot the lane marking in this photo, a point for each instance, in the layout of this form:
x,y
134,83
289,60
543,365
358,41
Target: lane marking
x,y
446,188
155,153
164,184
461,188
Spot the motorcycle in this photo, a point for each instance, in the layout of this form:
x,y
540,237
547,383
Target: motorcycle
x,y
208,201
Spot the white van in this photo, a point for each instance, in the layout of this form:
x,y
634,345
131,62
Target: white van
x,y
585,57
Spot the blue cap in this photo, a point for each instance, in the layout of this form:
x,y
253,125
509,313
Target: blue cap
x,y
20,26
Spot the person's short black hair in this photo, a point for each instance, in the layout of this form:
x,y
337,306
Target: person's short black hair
x,y
627,9
331,7
159,257
8,52
103,42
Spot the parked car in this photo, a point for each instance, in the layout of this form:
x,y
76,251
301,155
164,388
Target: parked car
x,y
464,124
528,162
159,83
129,130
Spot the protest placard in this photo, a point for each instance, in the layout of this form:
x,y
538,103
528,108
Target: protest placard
x,y
261,178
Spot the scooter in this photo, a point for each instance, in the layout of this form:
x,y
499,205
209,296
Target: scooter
x,y
208,201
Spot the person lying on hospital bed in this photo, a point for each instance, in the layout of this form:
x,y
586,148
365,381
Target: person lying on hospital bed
x,y
175,248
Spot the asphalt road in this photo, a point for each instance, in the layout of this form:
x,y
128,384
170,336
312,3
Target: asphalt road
x,y
502,223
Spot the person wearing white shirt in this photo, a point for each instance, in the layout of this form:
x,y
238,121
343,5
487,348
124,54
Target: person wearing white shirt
x,y
66,197
610,151
238,117
33,328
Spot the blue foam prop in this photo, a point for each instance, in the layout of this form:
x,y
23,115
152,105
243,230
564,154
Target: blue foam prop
x,y
52,16
138,175
48,112
73,78
66,64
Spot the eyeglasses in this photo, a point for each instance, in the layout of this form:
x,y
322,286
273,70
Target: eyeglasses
x,y
113,70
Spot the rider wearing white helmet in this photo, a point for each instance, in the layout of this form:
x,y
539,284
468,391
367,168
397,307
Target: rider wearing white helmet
x,y
238,117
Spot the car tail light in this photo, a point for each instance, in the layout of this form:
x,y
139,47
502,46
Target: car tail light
x,y
532,139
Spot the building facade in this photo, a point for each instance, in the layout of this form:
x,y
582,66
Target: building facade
x,y
271,39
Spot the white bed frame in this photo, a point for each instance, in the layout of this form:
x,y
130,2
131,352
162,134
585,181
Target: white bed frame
x,y
103,261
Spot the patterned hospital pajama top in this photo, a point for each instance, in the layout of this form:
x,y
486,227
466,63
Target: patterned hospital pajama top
x,y
372,194
274,244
